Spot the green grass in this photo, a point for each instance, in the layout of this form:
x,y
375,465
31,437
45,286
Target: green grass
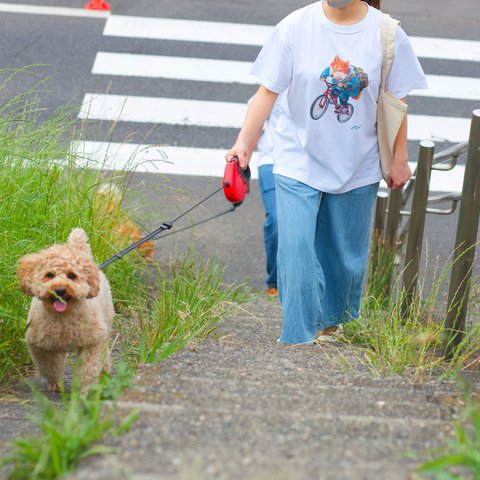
x,y
394,340
459,458
382,258
189,301
68,433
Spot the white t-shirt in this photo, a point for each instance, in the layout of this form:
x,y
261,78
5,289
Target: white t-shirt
x,y
267,140
338,151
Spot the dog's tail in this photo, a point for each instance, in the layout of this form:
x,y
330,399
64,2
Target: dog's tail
x,y
78,240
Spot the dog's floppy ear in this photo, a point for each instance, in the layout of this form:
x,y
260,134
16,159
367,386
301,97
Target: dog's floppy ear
x,y
93,279
26,266
78,240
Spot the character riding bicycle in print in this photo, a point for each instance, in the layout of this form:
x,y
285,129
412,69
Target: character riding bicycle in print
x,y
343,81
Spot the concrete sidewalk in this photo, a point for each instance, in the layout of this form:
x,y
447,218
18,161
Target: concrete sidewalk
x,y
240,406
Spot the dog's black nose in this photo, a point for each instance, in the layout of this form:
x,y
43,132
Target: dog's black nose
x,y
60,291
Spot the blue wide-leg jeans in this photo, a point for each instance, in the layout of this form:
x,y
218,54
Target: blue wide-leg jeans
x,y
266,182
323,242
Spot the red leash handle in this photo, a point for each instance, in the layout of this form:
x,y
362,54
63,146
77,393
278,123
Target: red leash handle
x,y
235,181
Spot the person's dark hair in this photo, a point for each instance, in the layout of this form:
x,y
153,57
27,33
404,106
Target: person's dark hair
x,y
374,3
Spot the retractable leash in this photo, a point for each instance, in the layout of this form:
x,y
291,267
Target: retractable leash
x,y
235,186
201,222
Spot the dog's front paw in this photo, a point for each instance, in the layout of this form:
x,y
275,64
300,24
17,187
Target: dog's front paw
x,y
54,388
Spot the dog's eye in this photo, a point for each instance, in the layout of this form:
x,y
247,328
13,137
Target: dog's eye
x,y
50,275
71,276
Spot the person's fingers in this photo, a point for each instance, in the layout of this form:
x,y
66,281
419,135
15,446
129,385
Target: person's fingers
x,y
243,161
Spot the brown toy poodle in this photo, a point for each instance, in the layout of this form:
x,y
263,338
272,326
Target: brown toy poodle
x,y
71,309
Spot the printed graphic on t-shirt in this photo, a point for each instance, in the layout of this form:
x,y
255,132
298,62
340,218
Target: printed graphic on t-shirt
x,y
344,81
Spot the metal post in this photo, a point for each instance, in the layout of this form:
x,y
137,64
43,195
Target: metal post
x,y
390,238
417,221
465,242
378,228
393,217
380,213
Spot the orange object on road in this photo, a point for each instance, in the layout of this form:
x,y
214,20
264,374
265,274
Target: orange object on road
x,y
98,5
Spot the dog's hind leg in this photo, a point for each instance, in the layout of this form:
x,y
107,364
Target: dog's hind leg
x,y
50,365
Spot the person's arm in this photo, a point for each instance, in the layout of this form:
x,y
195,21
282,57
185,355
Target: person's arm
x,y
256,138
258,111
399,172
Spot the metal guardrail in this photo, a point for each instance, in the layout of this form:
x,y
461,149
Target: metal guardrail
x,y
388,220
451,155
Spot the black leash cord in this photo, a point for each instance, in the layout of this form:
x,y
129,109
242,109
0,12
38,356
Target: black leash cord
x,y
201,222
164,226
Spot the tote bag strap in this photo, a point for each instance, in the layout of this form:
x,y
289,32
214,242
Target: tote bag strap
x,y
388,28
390,110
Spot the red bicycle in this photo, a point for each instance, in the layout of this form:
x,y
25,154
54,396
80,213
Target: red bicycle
x,y
321,103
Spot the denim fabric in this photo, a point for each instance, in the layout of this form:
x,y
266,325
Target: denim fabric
x,y
323,244
270,235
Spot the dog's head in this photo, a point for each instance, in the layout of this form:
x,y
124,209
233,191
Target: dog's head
x,y
61,274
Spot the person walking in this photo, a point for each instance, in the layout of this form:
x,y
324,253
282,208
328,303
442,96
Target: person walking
x,y
327,169
266,181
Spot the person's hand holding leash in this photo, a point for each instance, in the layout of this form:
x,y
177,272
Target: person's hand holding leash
x,y
241,151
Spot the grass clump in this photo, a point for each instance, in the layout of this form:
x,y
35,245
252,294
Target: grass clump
x,y
68,433
459,458
382,265
403,334
189,302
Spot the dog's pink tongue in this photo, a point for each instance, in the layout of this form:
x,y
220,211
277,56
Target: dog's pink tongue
x,y
59,306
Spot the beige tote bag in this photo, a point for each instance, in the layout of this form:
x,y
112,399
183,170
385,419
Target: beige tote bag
x,y
390,110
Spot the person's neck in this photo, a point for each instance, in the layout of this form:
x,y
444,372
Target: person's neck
x,y
349,15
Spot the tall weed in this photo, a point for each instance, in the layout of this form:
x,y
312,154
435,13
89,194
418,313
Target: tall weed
x,y
188,302
398,340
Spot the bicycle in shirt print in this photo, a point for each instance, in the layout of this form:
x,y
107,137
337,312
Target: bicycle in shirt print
x,y
345,81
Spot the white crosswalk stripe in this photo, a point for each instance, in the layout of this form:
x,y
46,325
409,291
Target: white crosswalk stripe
x,y
176,68
221,114
172,111
241,34
53,11
176,111
208,162
227,71
460,88
186,30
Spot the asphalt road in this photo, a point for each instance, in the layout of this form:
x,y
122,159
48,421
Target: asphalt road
x,y
67,46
